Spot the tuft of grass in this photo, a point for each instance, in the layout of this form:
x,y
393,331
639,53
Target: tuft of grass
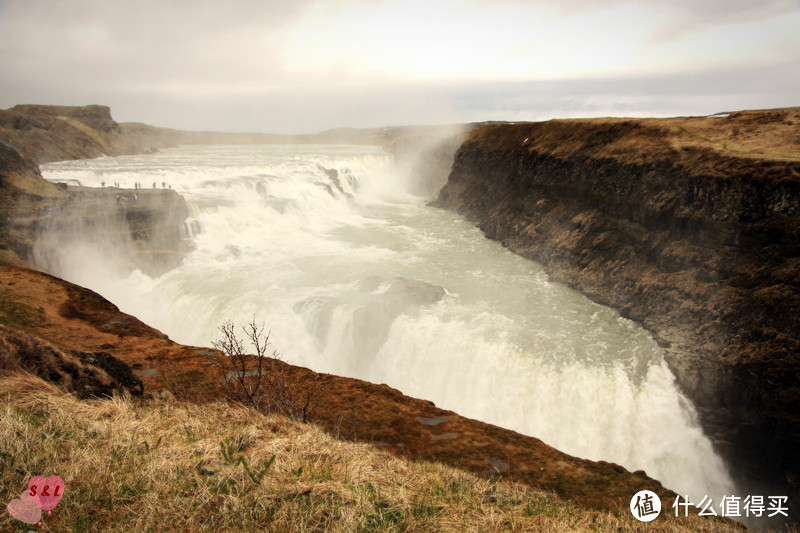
x,y
143,465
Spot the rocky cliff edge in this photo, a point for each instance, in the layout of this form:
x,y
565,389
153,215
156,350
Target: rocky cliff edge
x,y
690,226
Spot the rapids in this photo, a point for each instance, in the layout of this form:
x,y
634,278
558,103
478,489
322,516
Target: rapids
x,y
353,275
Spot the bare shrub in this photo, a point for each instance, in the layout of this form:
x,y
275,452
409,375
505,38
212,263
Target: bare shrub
x,y
262,379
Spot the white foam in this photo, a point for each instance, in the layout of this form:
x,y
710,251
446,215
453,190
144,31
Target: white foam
x,y
476,329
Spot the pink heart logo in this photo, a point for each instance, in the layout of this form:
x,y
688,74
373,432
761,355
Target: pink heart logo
x,y
46,492
25,509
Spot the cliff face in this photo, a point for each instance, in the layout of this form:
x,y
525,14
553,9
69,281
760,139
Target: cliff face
x,y
22,191
51,133
144,232
56,133
39,216
688,226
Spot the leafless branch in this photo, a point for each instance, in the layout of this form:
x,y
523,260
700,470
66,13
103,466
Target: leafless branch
x,y
261,379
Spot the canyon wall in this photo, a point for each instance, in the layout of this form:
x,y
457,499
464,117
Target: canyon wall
x,y
46,133
39,216
690,227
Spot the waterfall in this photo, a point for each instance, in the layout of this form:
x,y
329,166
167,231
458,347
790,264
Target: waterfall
x,y
355,275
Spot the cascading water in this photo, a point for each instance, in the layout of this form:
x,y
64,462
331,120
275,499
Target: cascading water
x,y
356,277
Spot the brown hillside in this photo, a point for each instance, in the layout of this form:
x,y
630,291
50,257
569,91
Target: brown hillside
x,y
75,320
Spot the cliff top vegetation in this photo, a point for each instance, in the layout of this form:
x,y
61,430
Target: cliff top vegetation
x,y
694,142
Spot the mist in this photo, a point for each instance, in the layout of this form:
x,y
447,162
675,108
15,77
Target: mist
x,y
335,249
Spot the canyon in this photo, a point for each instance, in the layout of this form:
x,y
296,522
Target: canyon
x,y
687,226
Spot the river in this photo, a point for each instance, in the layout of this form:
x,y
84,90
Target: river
x,y
354,275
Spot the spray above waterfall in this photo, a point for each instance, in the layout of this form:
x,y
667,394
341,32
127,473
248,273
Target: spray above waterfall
x,y
355,275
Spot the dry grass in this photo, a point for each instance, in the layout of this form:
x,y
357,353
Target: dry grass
x,y
167,466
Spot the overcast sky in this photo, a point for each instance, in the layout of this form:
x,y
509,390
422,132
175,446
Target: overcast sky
x,y
309,65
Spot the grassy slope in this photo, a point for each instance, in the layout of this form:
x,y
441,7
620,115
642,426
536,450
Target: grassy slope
x,y
147,465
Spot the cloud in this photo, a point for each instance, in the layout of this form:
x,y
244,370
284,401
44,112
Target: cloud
x,y
385,61
705,12
686,93
144,40
693,14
